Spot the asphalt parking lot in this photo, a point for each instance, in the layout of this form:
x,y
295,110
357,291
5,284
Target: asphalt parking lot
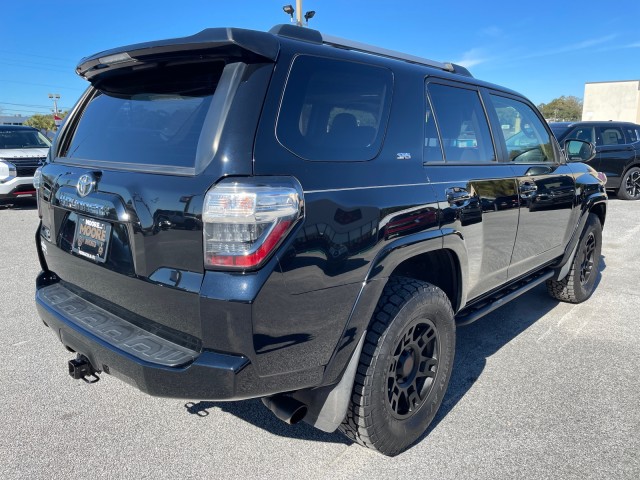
x,y
540,389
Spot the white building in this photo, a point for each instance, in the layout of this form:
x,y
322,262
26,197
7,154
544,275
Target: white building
x,y
12,119
619,100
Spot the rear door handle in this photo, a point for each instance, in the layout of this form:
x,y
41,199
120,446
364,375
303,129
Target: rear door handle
x,y
455,195
527,189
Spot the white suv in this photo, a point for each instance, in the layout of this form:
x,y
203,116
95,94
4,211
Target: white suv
x,y
22,151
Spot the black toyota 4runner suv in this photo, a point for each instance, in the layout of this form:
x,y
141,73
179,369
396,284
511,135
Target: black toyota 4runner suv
x,y
291,216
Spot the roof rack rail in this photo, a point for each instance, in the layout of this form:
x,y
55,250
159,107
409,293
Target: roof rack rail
x,y
365,48
314,36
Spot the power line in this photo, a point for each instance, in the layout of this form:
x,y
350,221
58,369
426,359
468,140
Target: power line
x,y
58,70
21,82
24,111
39,56
29,105
38,62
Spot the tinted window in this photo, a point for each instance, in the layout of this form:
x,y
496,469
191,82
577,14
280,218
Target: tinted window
x,y
432,148
633,134
611,136
153,117
588,134
23,139
558,129
526,139
334,110
462,122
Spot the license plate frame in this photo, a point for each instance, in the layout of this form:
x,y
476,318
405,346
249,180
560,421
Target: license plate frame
x,y
91,239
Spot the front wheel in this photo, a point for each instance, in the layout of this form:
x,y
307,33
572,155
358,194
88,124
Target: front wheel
x,y
404,367
580,282
630,185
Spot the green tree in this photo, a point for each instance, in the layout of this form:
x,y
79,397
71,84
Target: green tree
x,y
562,109
43,122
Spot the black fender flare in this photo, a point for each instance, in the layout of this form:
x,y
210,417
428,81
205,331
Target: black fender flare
x,y
327,405
589,203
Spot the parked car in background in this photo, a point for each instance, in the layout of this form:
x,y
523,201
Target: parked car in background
x,y
617,151
22,151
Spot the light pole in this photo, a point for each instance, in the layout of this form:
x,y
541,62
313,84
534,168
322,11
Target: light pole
x,y
55,97
56,118
299,13
289,10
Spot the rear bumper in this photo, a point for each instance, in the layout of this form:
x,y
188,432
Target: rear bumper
x,y
152,364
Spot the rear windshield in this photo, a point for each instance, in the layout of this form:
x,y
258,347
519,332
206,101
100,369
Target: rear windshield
x,y
151,116
22,139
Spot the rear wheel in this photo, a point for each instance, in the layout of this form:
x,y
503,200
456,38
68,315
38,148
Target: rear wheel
x,y
404,368
630,185
580,282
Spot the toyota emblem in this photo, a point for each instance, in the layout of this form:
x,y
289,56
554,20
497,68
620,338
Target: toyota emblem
x,y
86,183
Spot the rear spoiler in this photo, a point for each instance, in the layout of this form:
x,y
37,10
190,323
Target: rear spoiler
x,y
243,44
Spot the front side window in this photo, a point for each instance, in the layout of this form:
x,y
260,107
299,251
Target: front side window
x,y
464,130
587,134
526,139
334,110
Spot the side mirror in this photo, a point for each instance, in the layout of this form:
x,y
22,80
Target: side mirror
x,y
579,150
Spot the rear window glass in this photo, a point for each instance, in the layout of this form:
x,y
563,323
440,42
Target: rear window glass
x,y
22,139
464,129
334,110
633,134
151,117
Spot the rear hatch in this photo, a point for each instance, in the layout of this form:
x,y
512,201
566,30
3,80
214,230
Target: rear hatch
x,y
121,197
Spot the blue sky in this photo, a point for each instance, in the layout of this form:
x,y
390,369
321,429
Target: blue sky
x,y
541,48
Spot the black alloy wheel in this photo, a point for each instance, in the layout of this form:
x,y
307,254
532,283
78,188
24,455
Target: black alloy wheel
x,y
404,368
630,185
580,282
587,258
413,368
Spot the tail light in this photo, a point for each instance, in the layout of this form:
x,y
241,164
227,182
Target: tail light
x,y
245,220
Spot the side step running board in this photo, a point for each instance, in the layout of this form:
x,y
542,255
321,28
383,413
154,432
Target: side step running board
x,y
475,312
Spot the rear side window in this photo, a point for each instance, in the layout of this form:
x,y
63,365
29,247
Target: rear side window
x,y
463,126
633,134
153,116
334,110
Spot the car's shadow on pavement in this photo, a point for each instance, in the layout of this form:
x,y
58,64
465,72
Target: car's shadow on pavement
x,y
255,413
482,339
475,343
20,204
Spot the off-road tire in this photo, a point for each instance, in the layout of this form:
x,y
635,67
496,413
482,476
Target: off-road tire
x,y
630,185
580,282
404,367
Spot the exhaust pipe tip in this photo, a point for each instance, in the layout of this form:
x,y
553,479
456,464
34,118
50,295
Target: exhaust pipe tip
x,y
287,409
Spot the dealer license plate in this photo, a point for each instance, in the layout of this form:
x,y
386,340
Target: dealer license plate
x,y
92,239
